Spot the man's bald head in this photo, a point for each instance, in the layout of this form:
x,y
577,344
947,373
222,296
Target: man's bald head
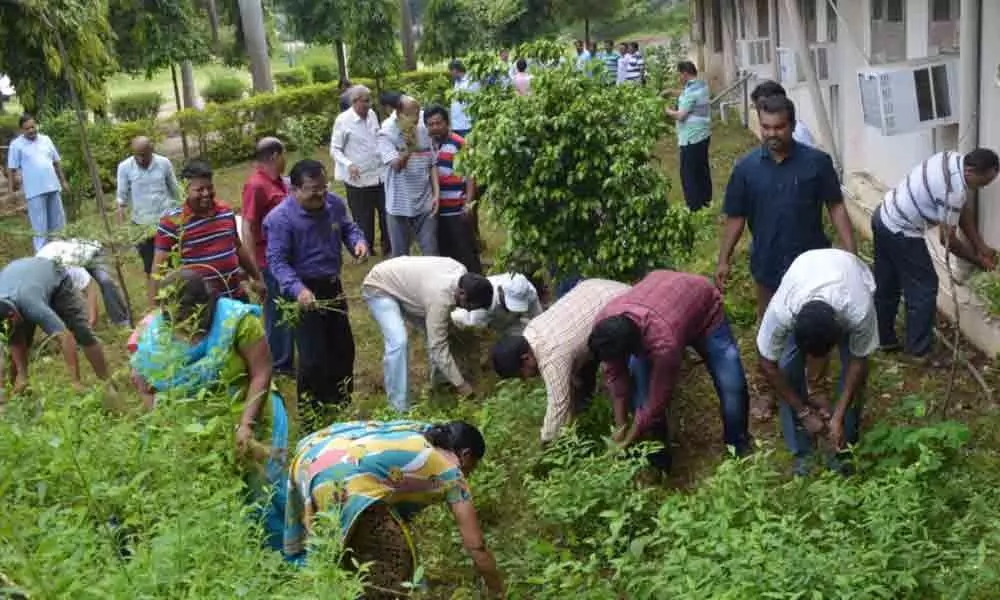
x,y
409,106
142,150
271,151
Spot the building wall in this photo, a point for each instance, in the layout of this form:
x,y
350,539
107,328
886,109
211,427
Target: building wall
x,y
989,130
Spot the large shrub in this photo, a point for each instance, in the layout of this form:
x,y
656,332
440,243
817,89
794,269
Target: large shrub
x,y
139,106
570,171
224,88
292,78
9,129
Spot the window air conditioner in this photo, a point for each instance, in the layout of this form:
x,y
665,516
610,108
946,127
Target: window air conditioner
x,y
754,55
910,96
791,74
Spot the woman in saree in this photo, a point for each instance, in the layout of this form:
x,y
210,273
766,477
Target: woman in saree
x,y
196,340
377,474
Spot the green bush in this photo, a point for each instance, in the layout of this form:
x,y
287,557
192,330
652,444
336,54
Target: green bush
x,y
292,78
225,133
9,129
139,106
223,89
323,72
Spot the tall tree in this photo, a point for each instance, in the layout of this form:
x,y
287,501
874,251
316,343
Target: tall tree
x,y
29,52
450,29
406,34
511,22
320,22
151,35
574,11
252,17
374,51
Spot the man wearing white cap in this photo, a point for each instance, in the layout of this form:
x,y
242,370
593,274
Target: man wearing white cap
x,y
515,302
84,262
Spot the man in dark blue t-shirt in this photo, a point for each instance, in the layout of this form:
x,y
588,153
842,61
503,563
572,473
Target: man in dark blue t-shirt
x,y
779,191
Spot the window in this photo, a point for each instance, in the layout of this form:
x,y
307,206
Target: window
x,y
888,31
831,21
943,28
931,85
807,8
717,25
763,18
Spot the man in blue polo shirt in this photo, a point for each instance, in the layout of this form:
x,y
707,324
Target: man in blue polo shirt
x,y
779,191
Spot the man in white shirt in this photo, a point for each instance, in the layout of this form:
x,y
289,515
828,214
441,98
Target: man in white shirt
x,y
84,262
515,302
626,55
423,290
824,300
461,123
148,186
932,194
354,148
766,89
35,167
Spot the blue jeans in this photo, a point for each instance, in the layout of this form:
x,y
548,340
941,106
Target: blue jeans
x,y
793,365
280,337
402,230
722,359
389,316
46,214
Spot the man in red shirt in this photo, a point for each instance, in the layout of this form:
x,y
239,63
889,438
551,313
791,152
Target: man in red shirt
x,y
650,326
264,189
203,233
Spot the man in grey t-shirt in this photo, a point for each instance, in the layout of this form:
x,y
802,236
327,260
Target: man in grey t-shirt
x,y
37,291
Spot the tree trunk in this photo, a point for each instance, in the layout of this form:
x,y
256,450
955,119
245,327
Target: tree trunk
x,y
341,51
187,84
252,17
213,23
177,101
586,32
406,35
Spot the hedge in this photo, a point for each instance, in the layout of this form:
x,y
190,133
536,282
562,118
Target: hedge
x,y
323,72
140,106
226,133
223,89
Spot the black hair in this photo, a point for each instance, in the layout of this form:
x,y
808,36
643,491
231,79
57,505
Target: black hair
x,y
269,150
307,168
981,161
457,436
7,309
25,117
390,98
766,89
186,293
197,168
614,338
687,67
456,65
506,355
816,329
773,105
521,65
634,46
436,109
478,290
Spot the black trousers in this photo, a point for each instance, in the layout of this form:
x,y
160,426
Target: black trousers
x,y
326,351
696,175
903,267
365,203
457,240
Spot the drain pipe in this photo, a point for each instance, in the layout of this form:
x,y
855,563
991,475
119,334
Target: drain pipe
x,y
970,67
797,31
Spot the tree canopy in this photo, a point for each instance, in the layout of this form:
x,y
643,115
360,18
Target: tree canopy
x,y
450,29
154,34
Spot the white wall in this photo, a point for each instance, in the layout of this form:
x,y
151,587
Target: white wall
x,y
989,130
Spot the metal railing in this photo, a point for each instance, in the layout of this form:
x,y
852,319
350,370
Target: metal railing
x,y
729,97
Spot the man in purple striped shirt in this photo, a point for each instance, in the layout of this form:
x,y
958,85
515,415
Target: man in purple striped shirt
x,y
304,234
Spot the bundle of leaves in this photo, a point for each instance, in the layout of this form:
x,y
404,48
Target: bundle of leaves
x,y
570,171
